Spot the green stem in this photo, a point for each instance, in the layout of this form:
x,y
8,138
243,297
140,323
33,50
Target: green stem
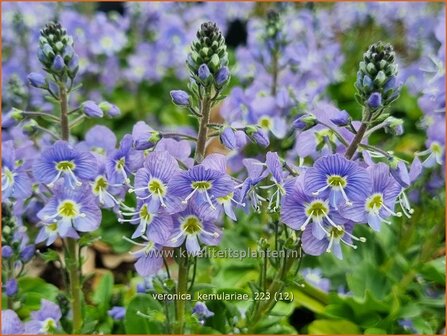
x,y
350,151
202,137
71,262
275,59
71,258
182,289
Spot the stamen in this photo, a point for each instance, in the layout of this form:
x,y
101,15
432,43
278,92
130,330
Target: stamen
x,y
348,244
342,190
397,214
316,193
51,184
307,221
73,176
361,239
178,236
338,227
331,241
133,242
122,220
189,196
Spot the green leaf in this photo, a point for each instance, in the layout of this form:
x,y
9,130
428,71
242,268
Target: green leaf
x,y
32,291
325,327
49,255
103,292
375,331
135,324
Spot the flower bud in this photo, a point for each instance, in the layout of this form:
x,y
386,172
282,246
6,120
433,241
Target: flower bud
x,y
27,253
7,252
222,76
375,100
228,138
110,109
305,122
37,80
91,109
11,287
58,64
204,72
342,119
258,135
180,98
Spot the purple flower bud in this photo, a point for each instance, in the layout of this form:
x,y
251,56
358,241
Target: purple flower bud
x,y
180,98
117,313
391,84
342,118
7,252
400,173
27,253
261,137
37,80
222,76
228,138
11,287
367,81
204,72
58,64
305,122
91,109
109,109
375,100
141,288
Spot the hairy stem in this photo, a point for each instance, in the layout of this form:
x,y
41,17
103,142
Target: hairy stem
x,y
182,289
202,137
72,257
275,69
350,151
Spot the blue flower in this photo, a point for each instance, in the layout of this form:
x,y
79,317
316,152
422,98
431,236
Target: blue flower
x,y
46,320
338,179
200,184
60,160
144,137
123,161
67,210
151,181
15,180
11,324
314,277
117,312
149,258
11,287
202,312
380,202
99,139
193,225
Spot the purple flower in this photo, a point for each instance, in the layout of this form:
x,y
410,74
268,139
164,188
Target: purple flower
x,y
123,161
117,313
91,109
144,137
104,190
299,210
435,155
149,258
27,253
156,225
314,277
400,173
375,100
201,311
37,80
11,287
222,76
46,320
180,98
193,225
200,184
15,180
379,205
7,252
99,139
60,160
152,181
338,179
305,122
67,210
204,72
11,324
331,242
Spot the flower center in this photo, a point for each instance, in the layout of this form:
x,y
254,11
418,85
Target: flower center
x,y
68,209
7,178
336,181
99,150
100,184
436,148
374,202
49,325
120,164
150,245
145,214
226,198
317,209
192,225
51,227
265,122
336,233
201,185
65,165
325,134
157,187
